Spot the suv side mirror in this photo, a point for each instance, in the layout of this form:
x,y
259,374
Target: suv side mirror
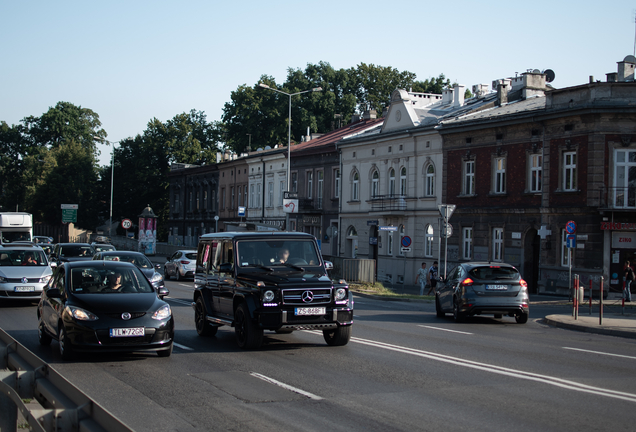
x,y
54,293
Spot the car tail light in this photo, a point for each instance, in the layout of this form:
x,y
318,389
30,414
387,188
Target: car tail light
x,y
467,282
523,283
184,262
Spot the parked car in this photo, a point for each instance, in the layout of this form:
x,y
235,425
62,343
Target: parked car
x,y
181,265
483,288
138,259
69,252
103,306
103,247
268,281
24,270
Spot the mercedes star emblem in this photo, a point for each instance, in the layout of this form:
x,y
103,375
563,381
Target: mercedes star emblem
x,y
308,296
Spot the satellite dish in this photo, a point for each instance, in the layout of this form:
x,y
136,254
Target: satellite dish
x,y
549,75
536,71
630,59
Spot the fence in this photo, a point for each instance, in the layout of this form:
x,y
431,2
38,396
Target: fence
x,y
353,270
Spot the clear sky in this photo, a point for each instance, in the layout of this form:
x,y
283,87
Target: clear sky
x,y
131,61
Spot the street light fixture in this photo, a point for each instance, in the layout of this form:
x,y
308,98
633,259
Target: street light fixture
x,y
315,89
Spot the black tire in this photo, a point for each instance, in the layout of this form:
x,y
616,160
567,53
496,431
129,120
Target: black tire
x,y
248,334
166,352
166,275
200,321
521,318
438,308
66,349
457,315
177,275
43,336
337,337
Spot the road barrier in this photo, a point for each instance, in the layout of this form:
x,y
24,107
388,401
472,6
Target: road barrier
x,y
44,398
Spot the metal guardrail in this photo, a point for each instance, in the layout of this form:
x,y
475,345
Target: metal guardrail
x,y
44,398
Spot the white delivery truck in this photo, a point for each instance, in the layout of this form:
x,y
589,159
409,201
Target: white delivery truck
x,y
15,226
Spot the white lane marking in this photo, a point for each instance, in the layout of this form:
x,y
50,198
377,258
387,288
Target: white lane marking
x,y
185,302
530,376
285,386
601,353
183,347
443,329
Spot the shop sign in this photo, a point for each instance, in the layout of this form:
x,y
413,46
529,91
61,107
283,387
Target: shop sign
x,y
618,226
624,240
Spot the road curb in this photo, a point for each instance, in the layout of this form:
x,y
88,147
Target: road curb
x,y
586,329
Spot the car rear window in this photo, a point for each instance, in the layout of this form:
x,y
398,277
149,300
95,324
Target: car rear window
x,y
191,256
494,273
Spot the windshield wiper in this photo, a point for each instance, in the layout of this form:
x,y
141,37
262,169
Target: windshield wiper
x,y
260,266
294,266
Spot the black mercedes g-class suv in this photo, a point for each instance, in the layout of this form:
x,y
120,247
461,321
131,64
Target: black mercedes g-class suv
x,y
277,281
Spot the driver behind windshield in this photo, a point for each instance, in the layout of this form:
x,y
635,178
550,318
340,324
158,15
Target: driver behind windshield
x,y
283,255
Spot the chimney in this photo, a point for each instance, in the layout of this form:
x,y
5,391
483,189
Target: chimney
x,y
458,95
502,91
369,114
626,69
447,96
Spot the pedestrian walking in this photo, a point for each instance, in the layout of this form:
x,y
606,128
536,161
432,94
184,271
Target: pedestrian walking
x,y
629,277
432,276
422,277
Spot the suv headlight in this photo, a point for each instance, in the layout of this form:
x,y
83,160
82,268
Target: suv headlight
x,y
163,313
268,296
45,279
341,293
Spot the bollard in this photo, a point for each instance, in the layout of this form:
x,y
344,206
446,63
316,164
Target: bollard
x,y
600,310
590,295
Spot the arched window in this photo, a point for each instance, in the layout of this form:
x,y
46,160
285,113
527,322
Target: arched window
x,y
428,245
355,187
430,180
403,181
391,182
375,184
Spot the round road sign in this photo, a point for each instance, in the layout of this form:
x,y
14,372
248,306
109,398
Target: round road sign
x,y
126,224
570,227
406,241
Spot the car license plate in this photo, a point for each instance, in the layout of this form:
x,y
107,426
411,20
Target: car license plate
x,y
311,311
24,289
127,332
497,287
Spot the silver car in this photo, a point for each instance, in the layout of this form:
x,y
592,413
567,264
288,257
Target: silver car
x,y
181,265
24,270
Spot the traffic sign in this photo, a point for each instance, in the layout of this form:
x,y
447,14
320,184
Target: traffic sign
x,y
446,210
406,241
241,211
405,249
570,227
69,215
570,241
388,228
126,224
447,230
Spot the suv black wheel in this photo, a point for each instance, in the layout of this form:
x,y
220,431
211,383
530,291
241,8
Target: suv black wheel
x,y
438,308
200,321
337,337
522,318
248,334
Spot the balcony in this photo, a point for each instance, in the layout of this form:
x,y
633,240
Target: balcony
x,y
389,202
618,198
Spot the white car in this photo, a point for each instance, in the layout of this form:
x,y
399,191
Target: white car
x,y
24,270
181,265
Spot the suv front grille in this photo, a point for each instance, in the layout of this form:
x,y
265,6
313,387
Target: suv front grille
x,y
307,296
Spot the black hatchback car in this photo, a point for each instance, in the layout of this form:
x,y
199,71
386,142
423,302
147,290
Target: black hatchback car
x,y
483,288
103,306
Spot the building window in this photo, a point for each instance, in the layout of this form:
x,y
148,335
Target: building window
x,y
310,184
569,171
375,184
389,243
213,200
500,175
497,244
469,177
222,201
403,181
625,179
245,194
355,187
319,193
198,202
536,170
205,200
239,196
190,201
428,241
391,182
258,202
336,183
430,180
294,182
252,196
565,253
281,192
270,194
467,243
176,202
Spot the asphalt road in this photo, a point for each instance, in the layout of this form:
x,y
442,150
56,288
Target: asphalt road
x,y
404,369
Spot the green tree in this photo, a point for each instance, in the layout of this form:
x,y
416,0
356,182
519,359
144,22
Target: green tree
x,y
433,85
376,83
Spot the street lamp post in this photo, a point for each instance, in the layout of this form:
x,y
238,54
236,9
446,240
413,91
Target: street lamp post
x,y
112,180
315,89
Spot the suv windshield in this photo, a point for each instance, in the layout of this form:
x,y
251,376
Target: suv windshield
x,y
22,258
494,273
271,253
